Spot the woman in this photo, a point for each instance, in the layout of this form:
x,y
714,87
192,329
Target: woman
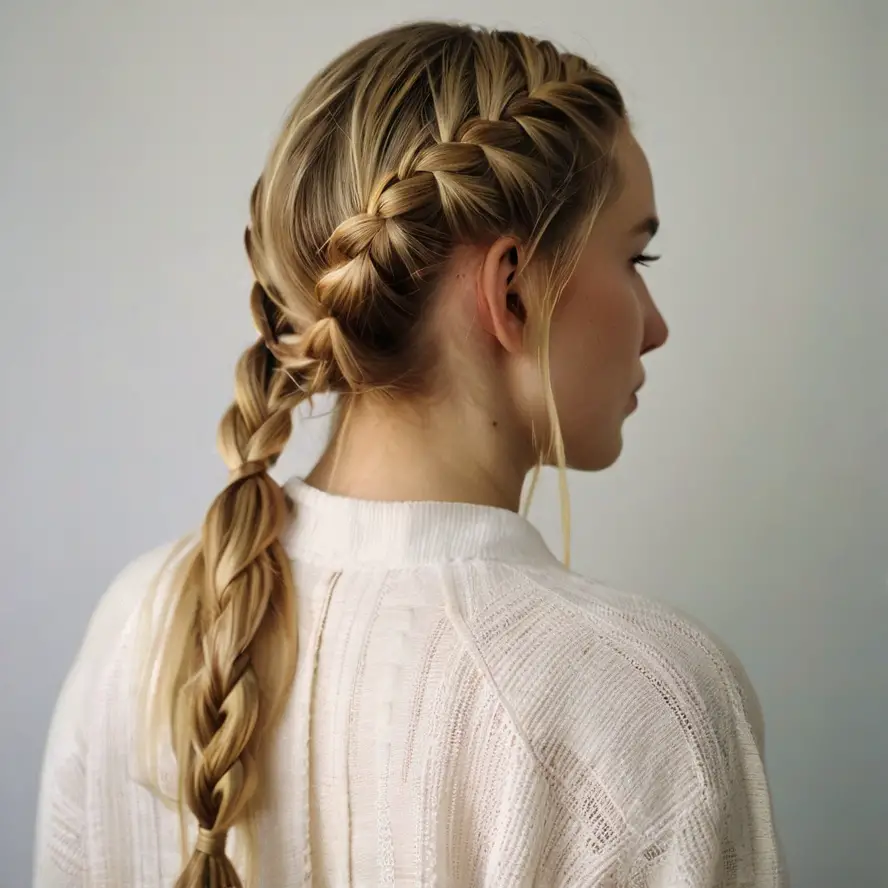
x,y
380,675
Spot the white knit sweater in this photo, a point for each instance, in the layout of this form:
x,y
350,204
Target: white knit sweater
x,y
466,713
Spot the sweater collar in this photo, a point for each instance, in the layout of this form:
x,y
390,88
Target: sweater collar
x,y
346,531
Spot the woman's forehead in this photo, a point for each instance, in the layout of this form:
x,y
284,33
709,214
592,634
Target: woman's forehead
x,y
634,203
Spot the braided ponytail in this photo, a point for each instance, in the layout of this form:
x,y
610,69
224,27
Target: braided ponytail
x,y
412,143
240,580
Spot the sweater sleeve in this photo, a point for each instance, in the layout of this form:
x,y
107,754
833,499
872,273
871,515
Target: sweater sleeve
x,y
60,848
61,853
698,848
723,835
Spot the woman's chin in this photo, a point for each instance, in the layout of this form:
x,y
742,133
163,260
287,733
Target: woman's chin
x,y
595,456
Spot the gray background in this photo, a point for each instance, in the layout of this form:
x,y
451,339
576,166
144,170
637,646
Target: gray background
x,y
753,487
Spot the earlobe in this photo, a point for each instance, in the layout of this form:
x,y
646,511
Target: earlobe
x,y
501,310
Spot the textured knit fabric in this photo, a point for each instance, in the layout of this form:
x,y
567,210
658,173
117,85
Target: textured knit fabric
x,y
466,712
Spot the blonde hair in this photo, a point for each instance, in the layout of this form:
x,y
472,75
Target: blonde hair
x,y
412,142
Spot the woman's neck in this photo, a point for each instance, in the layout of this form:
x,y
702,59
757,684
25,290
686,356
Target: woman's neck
x,y
409,452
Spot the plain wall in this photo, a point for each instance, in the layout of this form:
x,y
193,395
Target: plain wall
x,y
752,491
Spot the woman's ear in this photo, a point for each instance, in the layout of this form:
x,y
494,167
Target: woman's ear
x,y
501,310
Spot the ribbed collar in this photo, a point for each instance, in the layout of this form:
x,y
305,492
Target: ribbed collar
x,y
344,531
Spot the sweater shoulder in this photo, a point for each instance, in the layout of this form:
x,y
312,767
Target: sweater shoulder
x,y
121,623
132,594
118,607
592,617
610,688
86,718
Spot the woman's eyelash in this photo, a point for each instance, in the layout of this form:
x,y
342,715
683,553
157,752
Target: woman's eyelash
x,y
644,259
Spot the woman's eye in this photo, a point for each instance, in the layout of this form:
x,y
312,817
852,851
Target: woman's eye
x,y
644,259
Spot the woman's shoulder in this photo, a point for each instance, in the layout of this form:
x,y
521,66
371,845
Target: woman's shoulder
x,y
600,619
133,595
121,625
622,686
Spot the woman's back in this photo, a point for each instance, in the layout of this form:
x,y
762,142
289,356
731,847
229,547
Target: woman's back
x,y
465,712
